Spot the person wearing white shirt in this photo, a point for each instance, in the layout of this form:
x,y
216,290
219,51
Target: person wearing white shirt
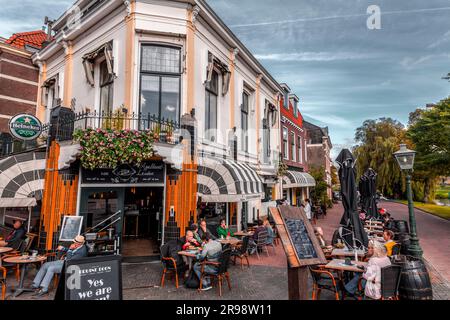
x,y
307,209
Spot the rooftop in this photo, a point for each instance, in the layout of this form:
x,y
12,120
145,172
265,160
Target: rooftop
x,y
31,38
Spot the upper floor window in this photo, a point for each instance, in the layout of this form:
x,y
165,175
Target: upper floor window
x,y
50,95
293,149
295,106
244,119
299,146
211,94
285,144
106,88
160,82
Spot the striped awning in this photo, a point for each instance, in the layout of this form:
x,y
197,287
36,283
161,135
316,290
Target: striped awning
x,y
221,180
296,179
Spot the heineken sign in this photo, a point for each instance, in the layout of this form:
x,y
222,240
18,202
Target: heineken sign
x,y
25,127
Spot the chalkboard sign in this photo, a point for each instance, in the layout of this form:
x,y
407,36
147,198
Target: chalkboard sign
x,y
71,227
297,236
93,278
300,238
146,172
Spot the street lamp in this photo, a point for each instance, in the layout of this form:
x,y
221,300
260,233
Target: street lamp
x,y
405,160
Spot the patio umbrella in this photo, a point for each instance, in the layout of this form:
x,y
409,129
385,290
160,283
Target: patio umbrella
x,y
350,220
367,188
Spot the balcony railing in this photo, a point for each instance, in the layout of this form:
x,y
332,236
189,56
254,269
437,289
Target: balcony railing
x,y
63,124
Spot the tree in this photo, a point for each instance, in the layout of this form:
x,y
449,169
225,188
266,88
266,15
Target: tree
x,y
429,130
334,176
376,141
319,193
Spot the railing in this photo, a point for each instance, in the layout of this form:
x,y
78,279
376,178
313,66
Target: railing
x,y
63,125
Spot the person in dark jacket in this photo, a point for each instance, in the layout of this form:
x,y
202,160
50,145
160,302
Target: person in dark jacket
x,y
77,250
204,230
15,238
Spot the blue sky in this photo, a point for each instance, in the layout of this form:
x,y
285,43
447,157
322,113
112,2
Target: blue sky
x,y
343,72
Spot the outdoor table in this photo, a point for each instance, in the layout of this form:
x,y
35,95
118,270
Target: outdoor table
x,y
4,250
347,253
233,241
189,255
339,265
243,234
24,261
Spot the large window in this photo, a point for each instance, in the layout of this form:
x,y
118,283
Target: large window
x,y
285,144
106,89
244,120
299,146
160,82
211,94
293,149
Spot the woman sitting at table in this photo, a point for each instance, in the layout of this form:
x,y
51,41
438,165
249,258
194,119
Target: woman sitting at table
x,y
223,231
371,274
190,241
388,237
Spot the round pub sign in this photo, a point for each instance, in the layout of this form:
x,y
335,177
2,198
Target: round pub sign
x,y
25,127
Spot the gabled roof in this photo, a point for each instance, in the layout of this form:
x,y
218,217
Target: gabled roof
x,y
31,38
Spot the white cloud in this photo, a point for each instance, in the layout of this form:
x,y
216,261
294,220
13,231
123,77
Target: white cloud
x,y
314,56
330,120
410,63
445,38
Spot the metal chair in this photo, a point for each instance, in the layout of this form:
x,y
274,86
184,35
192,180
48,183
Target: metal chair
x,y
221,273
390,281
323,280
261,243
241,252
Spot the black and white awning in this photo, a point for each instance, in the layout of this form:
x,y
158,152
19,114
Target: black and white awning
x,y
221,180
297,179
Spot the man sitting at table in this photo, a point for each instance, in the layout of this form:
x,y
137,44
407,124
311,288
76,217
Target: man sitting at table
x,y
204,230
41,282
223,231
270,232
254,238
388,237
194,229
190,241
211,252
16,236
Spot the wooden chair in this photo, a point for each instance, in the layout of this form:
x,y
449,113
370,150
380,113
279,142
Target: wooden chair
x,y
222,270
3,282
241,252
323,280
170,267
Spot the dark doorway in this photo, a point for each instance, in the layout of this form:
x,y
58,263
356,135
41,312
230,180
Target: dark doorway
x,y
142,225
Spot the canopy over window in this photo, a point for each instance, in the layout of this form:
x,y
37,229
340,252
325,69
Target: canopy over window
x,y
89,61
296,179
215,63
222,180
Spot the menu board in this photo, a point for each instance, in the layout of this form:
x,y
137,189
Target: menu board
x,y
297,236
300,238
93,278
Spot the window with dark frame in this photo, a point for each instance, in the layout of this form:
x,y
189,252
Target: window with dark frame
x,y
293,157
299,147
106,89
160,82
244,120
211,96
285,144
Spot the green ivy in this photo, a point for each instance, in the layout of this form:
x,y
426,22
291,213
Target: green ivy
x,y
108,148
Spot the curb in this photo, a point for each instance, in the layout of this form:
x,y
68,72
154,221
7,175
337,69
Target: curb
x,y
420,209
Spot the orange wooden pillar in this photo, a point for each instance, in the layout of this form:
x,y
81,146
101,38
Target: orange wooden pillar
x,y
59,199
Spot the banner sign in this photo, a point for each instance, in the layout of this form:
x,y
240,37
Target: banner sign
x,y
25,127
146,172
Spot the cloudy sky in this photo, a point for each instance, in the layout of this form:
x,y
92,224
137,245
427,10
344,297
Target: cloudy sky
x,y
343,72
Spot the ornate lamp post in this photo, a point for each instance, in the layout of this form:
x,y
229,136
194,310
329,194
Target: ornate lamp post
x,y
405,160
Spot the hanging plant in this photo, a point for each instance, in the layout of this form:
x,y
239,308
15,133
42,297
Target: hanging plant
x,y
107,148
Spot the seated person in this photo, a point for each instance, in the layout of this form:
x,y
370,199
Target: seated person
x,y
270,232
190,241
77,250
15,238
369,253
372,273
194,229
204,230
254,238
223,231
211,252
388,236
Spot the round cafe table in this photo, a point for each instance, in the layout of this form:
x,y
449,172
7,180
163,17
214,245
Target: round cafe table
x,y
24,261
4,250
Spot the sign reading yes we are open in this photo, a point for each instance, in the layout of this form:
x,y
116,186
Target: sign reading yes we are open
x,y
93,278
